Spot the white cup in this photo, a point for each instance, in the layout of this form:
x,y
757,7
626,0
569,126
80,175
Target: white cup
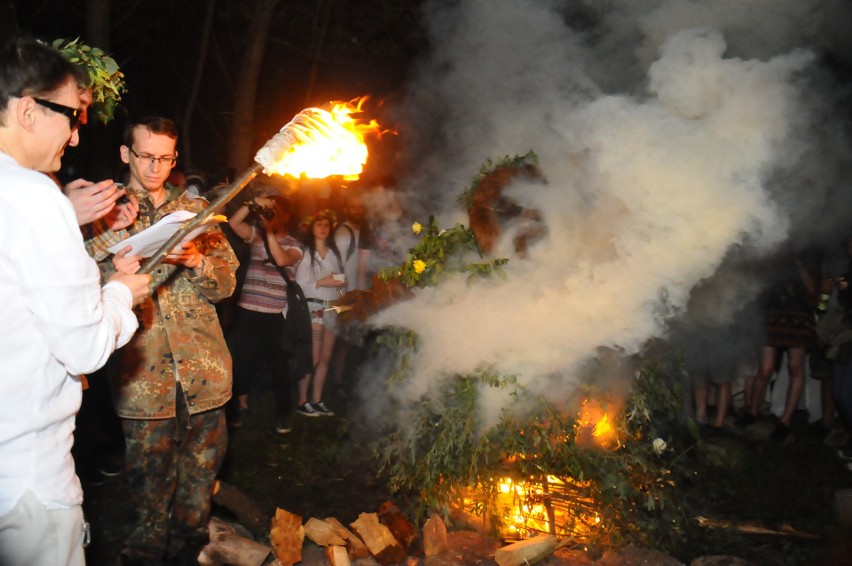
x,y
340,277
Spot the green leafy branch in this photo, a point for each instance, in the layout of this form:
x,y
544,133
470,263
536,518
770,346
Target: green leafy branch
x,y
105,79
440,251
465,198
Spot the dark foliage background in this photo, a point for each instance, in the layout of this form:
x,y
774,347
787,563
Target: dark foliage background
x,y
318,50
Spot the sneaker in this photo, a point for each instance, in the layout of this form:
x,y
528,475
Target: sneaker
x,y
322,409
112,466
818,430
745,419
238,417
780,432
307,410
91,477
283,425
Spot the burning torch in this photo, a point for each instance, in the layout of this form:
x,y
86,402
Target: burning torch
x,y
316,143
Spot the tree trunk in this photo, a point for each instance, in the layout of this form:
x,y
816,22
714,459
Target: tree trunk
x,y
242,127
323,15
98,144
186,119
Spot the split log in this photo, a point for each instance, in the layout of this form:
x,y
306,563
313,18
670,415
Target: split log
x,y
287,535
247,511
526,551
378,539
337,556
227,546
322,533
435,536
401,529
354,545
754,528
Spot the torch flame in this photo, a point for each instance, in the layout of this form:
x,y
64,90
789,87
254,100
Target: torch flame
x,y
319,143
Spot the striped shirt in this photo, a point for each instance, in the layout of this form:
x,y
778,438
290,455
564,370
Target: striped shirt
x,y
264,289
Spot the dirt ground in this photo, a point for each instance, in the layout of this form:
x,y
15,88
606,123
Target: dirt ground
x,y
324,467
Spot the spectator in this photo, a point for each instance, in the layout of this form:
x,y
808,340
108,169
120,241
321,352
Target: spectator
x,y
256,332
320,275
354,240
790,323
172,381
57,322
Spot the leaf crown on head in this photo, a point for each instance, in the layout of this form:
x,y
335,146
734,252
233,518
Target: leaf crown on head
x,y
324,214
105,79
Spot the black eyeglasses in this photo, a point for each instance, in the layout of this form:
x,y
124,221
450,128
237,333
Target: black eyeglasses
x,y
73,114
148,160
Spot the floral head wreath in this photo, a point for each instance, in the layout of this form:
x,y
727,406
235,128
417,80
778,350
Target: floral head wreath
x,y
324,214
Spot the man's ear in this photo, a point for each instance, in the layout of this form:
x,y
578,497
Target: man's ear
x,y
124,151
24,113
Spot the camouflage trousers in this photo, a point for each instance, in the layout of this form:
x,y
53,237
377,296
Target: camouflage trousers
x,y
171,465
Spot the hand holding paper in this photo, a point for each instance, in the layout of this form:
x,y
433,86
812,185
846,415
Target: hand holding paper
x,y
148,241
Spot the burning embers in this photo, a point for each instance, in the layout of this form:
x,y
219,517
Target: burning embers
x,y
564,506
558,506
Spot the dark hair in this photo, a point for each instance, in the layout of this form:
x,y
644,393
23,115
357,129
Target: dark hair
x,y
31,68
282,204
156,124
311,242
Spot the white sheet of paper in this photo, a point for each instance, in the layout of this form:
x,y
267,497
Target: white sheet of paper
x,y
148,241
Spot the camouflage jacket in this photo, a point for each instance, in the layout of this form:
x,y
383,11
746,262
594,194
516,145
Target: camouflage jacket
x,y
179,337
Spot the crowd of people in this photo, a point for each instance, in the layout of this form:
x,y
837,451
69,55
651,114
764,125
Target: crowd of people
x,y
77,304
806,314
182,348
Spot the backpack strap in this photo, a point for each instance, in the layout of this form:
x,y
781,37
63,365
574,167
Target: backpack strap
x,y
351,248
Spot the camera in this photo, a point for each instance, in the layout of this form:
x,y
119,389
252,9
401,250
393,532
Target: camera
x,y
256,211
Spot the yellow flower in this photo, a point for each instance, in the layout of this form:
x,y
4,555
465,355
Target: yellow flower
x,y
419,266
416,228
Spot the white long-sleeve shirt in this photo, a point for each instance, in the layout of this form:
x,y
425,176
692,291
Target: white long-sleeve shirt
x,y
56,322
309,272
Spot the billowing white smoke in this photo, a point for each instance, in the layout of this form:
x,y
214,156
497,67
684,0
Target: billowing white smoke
x,y
647,190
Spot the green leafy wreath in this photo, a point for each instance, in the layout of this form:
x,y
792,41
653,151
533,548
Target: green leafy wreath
x,y
105,79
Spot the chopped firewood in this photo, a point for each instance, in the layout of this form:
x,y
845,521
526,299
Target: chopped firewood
x,y
287,536
401,529
378,539
754,528
337,556
435,536
322,533
227,546
526,551
247,511
354,545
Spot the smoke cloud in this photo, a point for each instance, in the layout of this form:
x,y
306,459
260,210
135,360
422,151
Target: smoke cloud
x,y
673,136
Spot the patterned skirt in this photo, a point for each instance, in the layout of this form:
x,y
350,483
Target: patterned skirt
x,y
790,328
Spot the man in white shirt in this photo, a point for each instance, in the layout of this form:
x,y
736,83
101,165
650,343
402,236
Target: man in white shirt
x,y
56,322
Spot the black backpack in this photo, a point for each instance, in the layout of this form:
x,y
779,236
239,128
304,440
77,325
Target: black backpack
x,y
297,337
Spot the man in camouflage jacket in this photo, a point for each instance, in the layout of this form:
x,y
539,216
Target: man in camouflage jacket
x,y
171,382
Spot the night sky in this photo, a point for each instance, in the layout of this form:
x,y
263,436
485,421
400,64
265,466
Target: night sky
x,y
367,48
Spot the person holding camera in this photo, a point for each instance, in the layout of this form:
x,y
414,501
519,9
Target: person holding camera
x,y
256,331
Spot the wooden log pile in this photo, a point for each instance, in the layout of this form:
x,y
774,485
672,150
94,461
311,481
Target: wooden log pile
x,y
384,538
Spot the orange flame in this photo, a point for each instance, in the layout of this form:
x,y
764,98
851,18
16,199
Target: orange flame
x,y
595,427
548,504
319,143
